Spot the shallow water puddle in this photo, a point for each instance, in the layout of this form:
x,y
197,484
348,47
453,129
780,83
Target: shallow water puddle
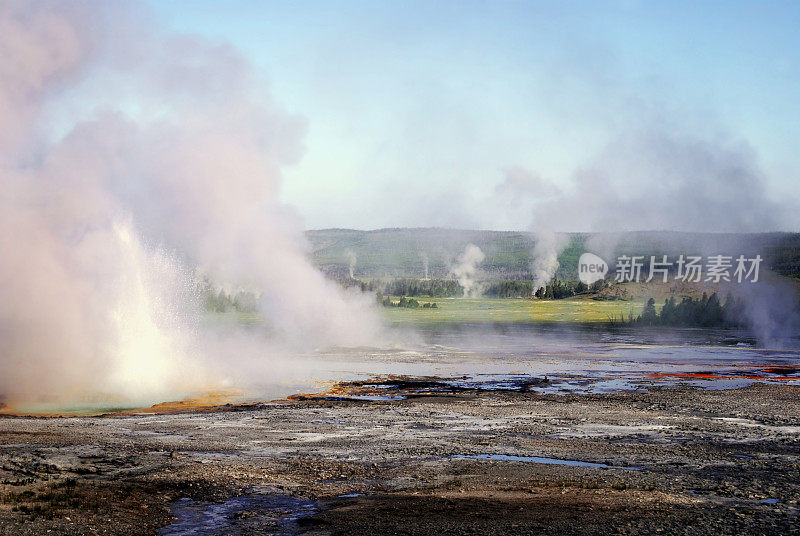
x,y
540,459
268,513
375,398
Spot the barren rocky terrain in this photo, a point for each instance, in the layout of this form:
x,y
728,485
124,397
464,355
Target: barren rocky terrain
x,y
670,460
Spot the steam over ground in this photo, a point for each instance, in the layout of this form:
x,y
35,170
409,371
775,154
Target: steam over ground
x,y
135,162
659,176
466,268
132,163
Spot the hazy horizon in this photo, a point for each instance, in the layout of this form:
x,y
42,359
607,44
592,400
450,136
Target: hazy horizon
x,y
490,114
533,231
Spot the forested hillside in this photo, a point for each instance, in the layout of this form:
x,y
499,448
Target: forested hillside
x,y
431,252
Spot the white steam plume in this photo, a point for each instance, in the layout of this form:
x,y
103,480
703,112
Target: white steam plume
x,y
424,257
466,267
105,203
545,256
351,259
661,175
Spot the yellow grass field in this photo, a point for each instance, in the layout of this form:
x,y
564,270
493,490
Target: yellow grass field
x,y
514,310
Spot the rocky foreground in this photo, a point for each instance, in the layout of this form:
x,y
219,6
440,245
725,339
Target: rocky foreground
x,y
672,460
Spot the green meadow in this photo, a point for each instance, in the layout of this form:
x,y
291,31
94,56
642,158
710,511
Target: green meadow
x,y
514,310
579,309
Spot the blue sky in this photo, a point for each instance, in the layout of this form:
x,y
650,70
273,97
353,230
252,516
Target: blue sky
x,y
416,110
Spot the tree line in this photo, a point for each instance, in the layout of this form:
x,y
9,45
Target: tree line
x,y
428,288
554,290
558,290
707,311
220,301
407,303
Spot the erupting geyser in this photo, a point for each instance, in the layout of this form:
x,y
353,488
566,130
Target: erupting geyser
x,y
128,159
545,257
466,268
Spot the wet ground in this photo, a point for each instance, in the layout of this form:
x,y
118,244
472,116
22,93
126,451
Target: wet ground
x,y
648,438
261,510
